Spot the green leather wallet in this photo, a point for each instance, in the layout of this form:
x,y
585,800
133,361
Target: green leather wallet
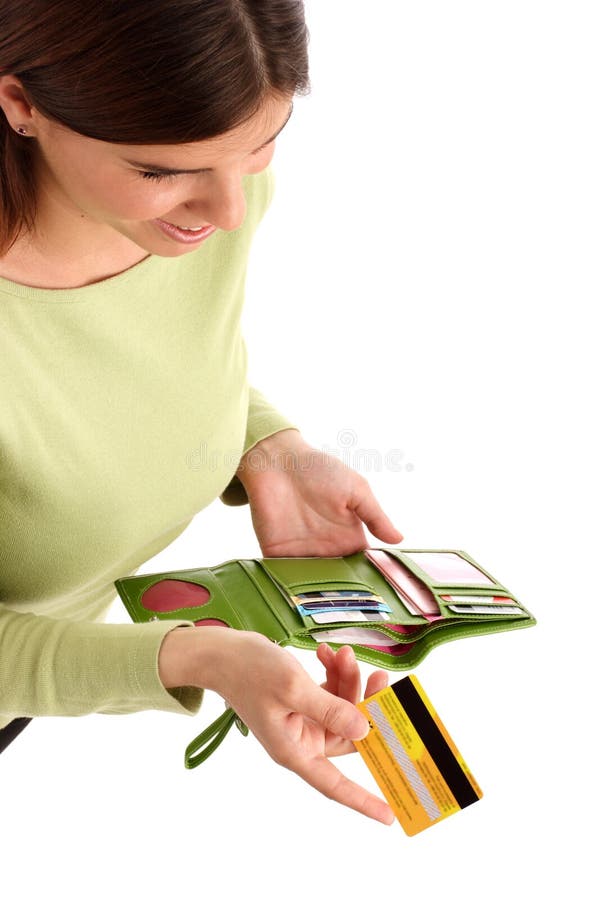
x,y
392,605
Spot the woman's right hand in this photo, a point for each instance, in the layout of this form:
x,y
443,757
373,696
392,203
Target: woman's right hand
x,y
299,723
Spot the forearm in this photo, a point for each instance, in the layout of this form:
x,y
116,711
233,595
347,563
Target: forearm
x,y
59,667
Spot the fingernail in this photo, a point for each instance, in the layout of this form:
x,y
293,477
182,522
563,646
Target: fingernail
x,y
365,732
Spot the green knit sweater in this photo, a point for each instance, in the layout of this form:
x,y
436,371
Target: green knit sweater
x,y
124,410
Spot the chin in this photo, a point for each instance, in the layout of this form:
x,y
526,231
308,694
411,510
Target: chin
x,y
176,250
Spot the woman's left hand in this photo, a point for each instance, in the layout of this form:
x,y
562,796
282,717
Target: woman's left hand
x,y
305,502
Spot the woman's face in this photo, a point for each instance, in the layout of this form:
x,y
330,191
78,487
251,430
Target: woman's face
x,y
93,185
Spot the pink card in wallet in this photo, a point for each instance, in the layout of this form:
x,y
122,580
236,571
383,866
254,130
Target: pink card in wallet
x,y
412,592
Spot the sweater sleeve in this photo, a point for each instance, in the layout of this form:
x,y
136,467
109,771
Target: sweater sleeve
x,y
60,667
263,421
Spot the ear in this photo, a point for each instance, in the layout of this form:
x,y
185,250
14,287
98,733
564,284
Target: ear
x,y
16,104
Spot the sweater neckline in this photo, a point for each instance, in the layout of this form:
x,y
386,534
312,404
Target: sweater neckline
x,y
85,292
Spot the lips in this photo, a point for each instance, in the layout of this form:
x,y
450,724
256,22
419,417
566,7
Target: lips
x,y
185,235
186,227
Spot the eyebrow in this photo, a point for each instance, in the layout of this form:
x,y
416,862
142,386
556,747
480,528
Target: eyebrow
x,y
167,171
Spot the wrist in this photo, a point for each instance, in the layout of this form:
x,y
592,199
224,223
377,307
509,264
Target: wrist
x,y
175,658
280,451
197,657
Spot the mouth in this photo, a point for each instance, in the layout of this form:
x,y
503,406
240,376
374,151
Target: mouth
x,y
186,227
186,234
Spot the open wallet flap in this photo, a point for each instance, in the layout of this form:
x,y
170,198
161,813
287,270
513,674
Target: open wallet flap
x,y
393,606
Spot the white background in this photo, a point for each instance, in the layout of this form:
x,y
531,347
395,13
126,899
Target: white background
x,y
424,283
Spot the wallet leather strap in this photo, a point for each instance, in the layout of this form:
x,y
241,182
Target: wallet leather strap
x,y
212,737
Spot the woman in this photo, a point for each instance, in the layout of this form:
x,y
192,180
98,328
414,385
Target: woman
x,y
135,142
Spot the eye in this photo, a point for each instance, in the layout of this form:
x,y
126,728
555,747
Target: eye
x,y
157,176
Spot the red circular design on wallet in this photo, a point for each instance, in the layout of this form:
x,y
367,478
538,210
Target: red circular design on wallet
x,y
171,594
211,622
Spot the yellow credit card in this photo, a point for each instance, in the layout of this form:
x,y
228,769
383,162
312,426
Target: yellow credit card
x,y
412,757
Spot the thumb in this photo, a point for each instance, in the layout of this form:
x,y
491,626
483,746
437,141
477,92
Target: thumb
x,y
335,714
369,511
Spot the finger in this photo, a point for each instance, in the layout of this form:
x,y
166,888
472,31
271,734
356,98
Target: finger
x,y
348,688
343,674
323,775
349,675
370,512
335,746
376,681
326,655
333,713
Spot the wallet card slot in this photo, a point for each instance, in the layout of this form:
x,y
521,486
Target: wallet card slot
x,y
487,598
353,572
401,644
299,575
401,634
302,574
482,608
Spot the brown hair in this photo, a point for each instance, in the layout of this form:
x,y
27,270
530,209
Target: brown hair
x,y
141,72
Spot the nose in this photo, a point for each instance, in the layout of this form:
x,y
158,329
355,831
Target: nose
x,y
223,204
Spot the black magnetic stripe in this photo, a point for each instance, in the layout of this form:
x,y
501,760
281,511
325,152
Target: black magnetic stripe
x,y
435,742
